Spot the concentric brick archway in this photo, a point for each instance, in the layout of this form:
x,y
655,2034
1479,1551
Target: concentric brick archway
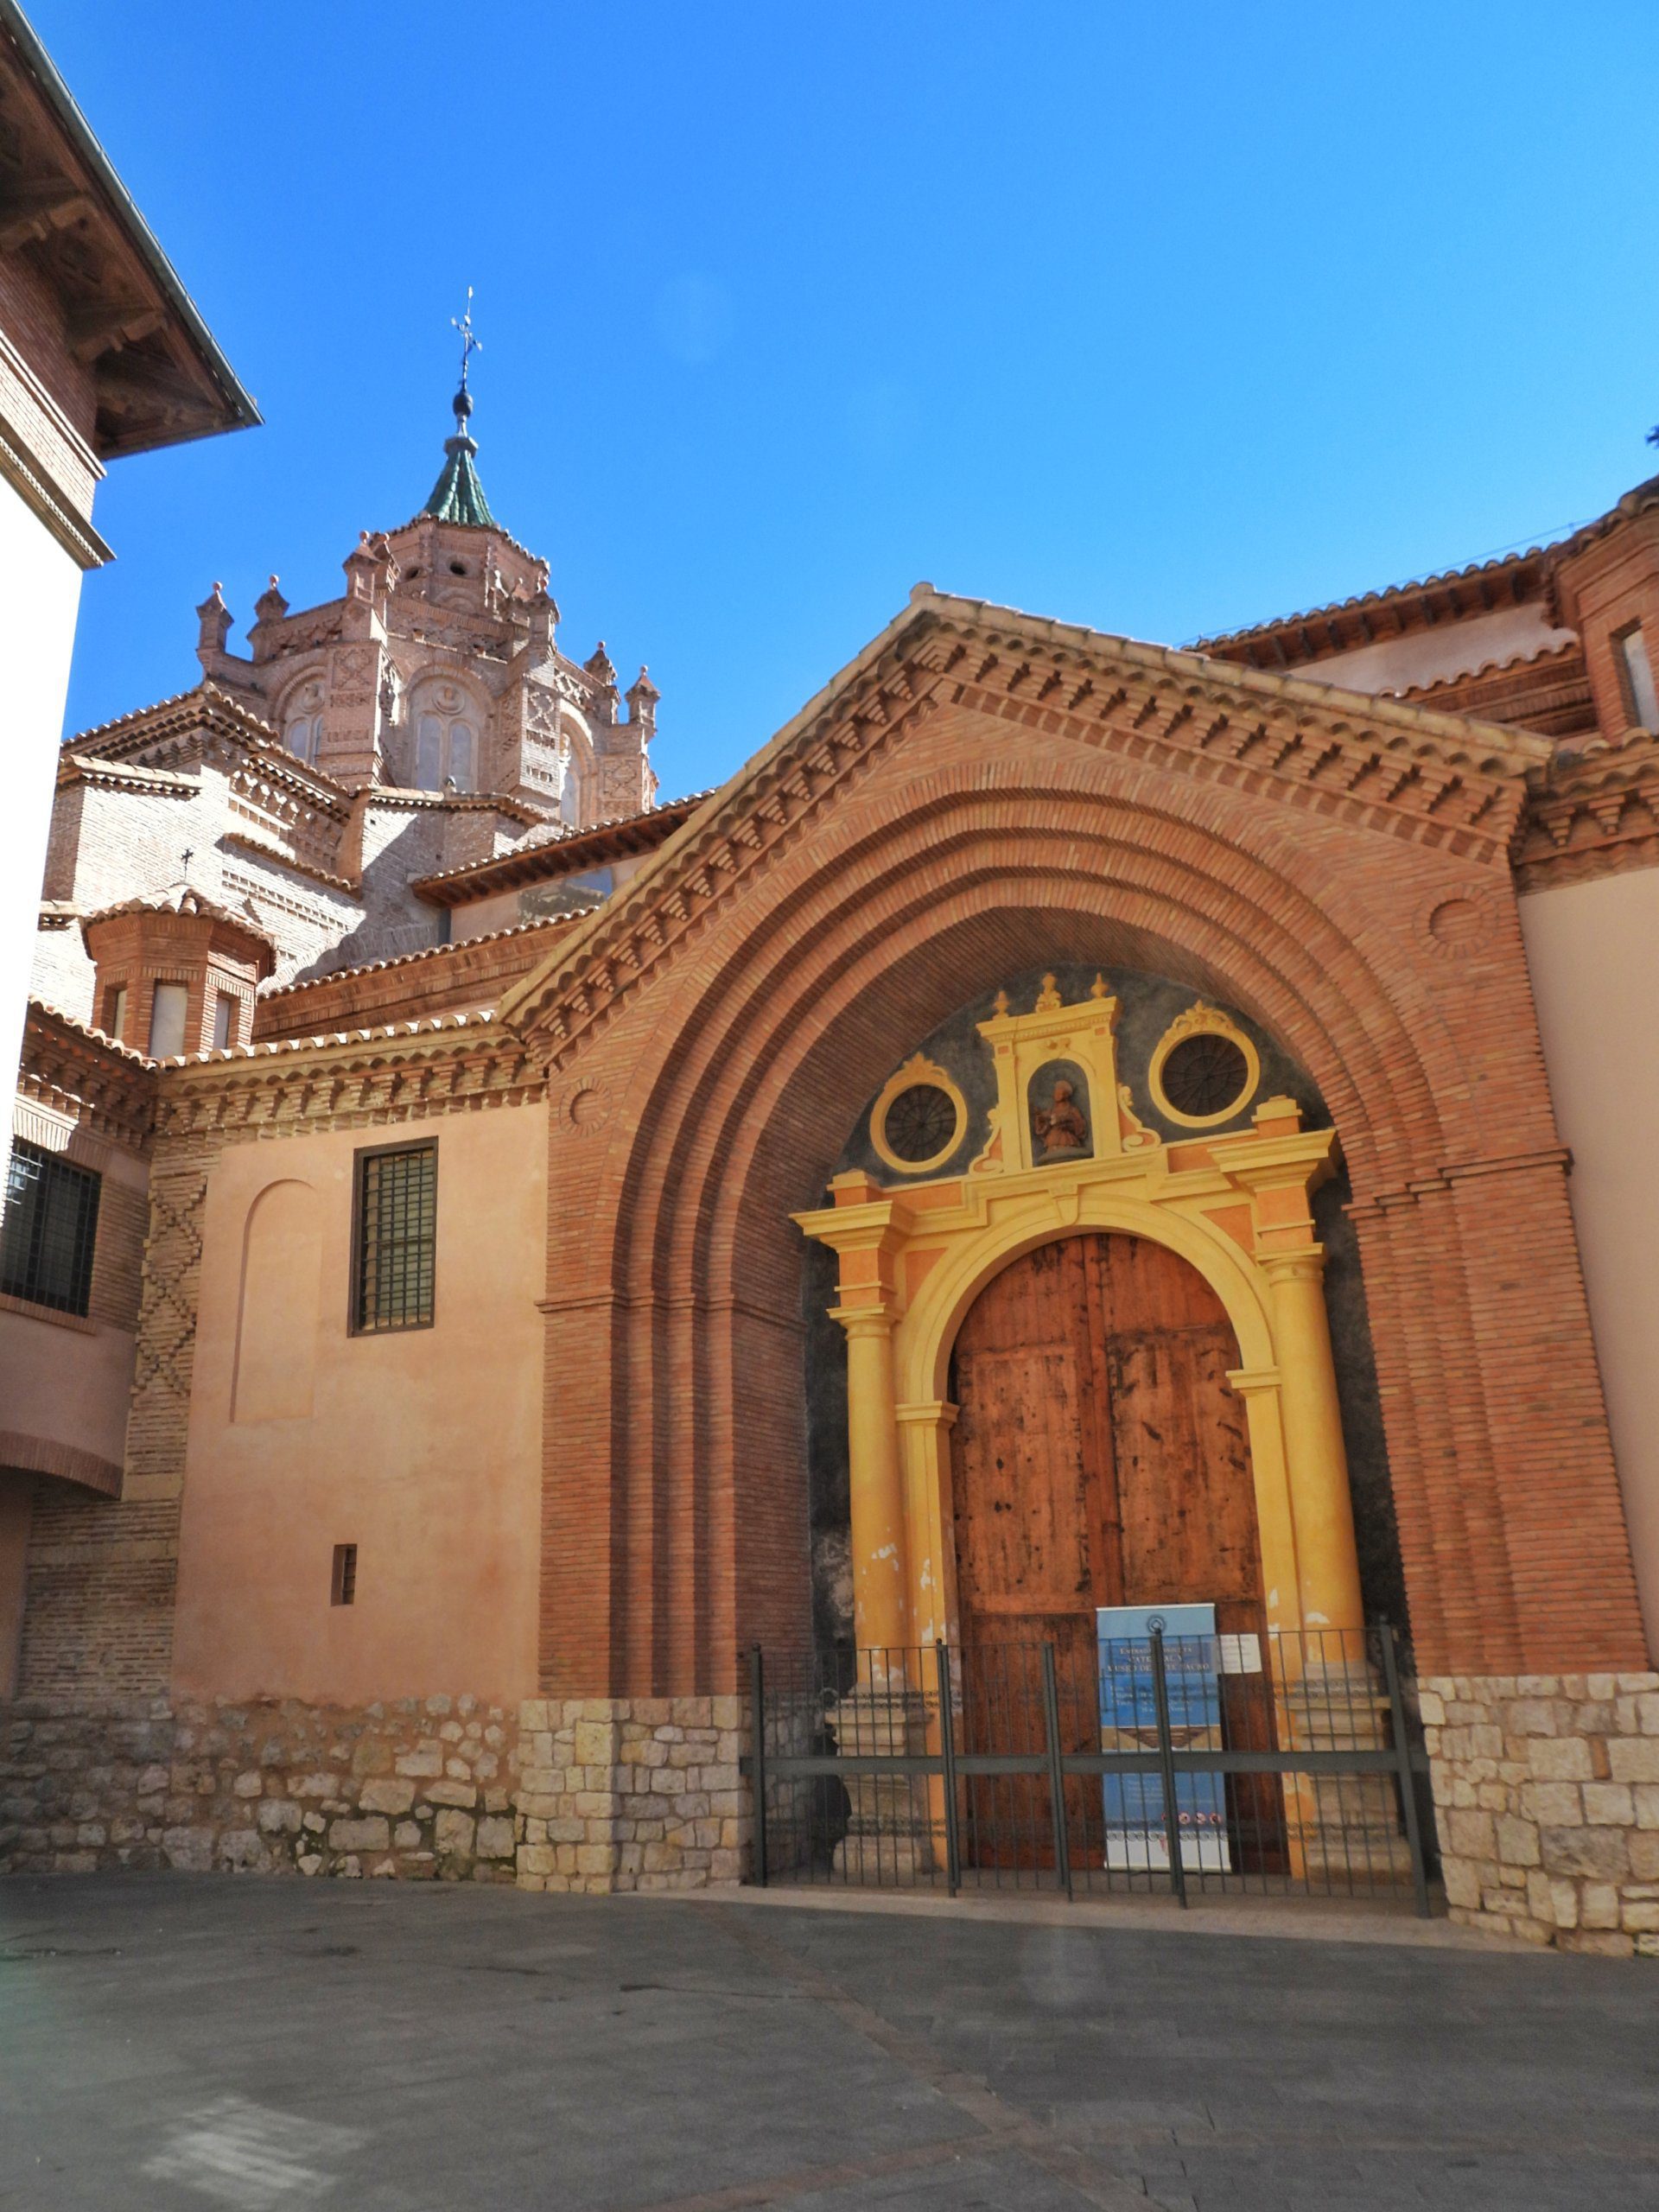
x,y
675,1364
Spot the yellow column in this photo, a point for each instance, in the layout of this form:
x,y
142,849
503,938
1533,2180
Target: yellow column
x,y
881,1581
1327,1558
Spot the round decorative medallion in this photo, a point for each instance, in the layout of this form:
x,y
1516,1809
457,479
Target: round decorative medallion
x,y
1205,1069
921,1122
584,1109
1459,924
918,1118
1204,1076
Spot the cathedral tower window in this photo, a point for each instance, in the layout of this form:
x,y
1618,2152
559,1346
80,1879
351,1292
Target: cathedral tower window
x,y
1636,673
302,722
168,1009
446,740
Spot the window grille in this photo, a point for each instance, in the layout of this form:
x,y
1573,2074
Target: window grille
x,y
50,1228
397,1237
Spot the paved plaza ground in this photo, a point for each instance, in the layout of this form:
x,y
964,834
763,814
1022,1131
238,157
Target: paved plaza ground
x,y
188,2042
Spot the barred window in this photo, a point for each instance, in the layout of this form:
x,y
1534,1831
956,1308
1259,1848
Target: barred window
x,y
50,1227
397,1237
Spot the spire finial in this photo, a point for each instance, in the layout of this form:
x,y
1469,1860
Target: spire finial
x,y
469,345
458,496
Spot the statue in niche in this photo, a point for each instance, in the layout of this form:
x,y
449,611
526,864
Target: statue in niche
x,y
1060,1124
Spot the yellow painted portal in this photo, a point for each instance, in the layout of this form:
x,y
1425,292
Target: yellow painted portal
x,y
912,1259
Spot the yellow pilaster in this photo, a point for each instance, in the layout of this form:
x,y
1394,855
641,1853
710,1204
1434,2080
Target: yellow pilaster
x,y
1316,1460
880,1566
925,1442
1276,1519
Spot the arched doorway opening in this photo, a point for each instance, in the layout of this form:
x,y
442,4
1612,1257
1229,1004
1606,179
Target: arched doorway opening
x,y
1099,1457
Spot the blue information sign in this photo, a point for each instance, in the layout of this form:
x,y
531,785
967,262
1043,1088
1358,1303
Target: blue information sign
x,y
1135,1832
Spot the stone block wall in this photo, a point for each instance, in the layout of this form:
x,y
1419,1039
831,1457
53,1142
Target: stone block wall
x,y
631,1794
600,1794
417,1788
1547,1798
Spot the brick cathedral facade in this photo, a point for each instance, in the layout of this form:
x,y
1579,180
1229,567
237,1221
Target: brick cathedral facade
x,y
440,1402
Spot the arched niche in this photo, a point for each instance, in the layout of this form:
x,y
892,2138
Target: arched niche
x,y
279,1305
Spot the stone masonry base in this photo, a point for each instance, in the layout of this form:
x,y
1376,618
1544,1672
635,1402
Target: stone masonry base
x,y
602,1794
1547,1800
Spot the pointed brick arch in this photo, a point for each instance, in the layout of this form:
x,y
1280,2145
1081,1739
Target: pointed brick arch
x,y
771,995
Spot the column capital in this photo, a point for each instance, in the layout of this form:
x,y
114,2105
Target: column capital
x,y
1307,1265
928,1413
864,1320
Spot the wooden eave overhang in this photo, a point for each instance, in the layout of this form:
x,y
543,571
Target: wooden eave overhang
x,y
558,856
1372,617
160,375
1439,779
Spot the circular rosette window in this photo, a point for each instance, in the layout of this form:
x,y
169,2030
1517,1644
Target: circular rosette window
x,y
1204,1071
918,1118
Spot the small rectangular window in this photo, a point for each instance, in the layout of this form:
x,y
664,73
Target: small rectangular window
x,y
1635,671
167,1013
224,1020
396,1238
50,1229
343,1587
115,1012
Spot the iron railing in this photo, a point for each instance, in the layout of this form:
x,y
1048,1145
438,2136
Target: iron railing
x,y
1277,1762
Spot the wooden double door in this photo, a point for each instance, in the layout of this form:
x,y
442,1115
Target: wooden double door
x,y
1099,1457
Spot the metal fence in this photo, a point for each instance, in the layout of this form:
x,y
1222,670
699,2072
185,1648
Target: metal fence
x,y
1280,1762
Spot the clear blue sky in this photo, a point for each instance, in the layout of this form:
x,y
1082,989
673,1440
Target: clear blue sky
x,y
1162,319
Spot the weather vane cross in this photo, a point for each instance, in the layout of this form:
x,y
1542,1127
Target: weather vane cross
x,y
470,344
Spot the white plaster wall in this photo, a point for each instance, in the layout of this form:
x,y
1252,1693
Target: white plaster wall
x,y
1593,951
40,595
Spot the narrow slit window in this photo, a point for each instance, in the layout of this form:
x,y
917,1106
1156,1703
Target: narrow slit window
x,y
50,1229
343,1586
396,1238
224,1020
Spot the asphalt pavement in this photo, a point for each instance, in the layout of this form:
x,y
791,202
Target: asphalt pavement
x,y
187,2042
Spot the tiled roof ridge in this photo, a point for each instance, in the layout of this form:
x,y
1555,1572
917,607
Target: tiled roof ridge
x,y
221,708
180,899
421,952
535,847
267,1048
1552,550
92,767
1382,596
90,1031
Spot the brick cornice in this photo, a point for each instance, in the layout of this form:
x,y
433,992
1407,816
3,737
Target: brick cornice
x,y
409,1071
1433,779
172,725
110,1090
1592,814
